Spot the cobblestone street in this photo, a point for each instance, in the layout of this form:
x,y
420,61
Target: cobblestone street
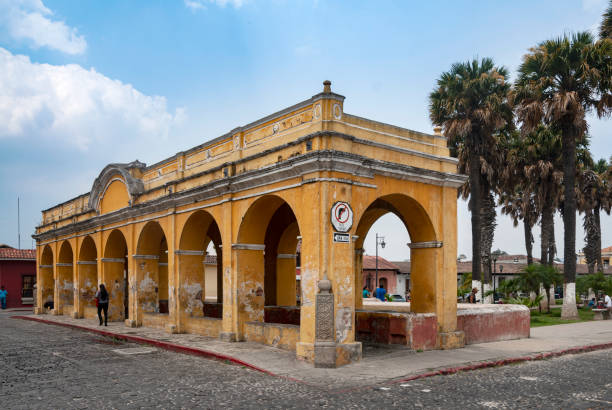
x,y
51,367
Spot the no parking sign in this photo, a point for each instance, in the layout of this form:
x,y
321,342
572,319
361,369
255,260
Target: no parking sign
x,y
342,216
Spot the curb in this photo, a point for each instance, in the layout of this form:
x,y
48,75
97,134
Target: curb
x,y
504,362
157,343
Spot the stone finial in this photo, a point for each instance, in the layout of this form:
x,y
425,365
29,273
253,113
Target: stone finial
x,y
327,86
324,285
438,130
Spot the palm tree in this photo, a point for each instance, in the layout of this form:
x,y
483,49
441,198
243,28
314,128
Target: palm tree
x,y
559,81
594,195
605,30
470,102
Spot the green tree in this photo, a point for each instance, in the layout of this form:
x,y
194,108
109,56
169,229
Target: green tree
x,y
470,102
559,81
605,30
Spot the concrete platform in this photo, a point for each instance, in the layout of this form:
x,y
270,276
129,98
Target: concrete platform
x,y
394,323
379,365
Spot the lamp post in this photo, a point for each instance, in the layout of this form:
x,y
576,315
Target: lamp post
x,y
380,240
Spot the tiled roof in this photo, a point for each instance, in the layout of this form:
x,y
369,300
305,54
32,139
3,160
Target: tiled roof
x,y
404,266
608,249
369,262
7,252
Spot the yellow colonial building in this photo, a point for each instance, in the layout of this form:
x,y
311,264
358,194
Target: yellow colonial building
x,y
310,173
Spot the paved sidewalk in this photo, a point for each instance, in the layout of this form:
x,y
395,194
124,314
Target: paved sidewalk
x,y
379,364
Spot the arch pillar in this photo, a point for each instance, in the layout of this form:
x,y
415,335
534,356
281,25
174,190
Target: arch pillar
x,y
191,285
227,283
249,262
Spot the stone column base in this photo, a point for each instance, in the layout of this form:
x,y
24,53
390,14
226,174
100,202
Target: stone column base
x,y
228,336
39,310
321,353
451,340
172,329
56,312
131,323
347,353
76,315
325,354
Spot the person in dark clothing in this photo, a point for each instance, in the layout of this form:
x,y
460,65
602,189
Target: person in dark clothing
x,y
102,296
472,297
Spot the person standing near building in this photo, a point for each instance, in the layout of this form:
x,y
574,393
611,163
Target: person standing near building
x,y
102,297
607,302
3,295
472,297
365,293
380,292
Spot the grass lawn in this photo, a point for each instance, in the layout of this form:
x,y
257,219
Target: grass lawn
x,y
554,318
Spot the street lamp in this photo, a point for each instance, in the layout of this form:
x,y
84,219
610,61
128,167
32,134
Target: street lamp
x,y
380,240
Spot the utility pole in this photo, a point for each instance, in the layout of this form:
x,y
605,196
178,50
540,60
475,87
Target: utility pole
x,y
18,227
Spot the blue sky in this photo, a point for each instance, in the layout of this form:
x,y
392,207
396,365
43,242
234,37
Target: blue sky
x,y
87,83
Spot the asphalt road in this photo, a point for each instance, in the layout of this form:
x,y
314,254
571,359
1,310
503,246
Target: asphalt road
x,y
43,366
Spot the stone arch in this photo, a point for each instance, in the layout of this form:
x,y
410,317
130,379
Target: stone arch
x,y
424,253
121,172
151,258
65,278
115,275
267,221
195,281
46,281
87,266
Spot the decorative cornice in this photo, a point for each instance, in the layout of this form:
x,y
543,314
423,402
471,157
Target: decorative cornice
x,y
187,252
151,257
248,246
423,245
296,167
117,260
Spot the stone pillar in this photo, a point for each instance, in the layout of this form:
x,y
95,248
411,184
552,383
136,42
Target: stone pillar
x,y
325,345
358,277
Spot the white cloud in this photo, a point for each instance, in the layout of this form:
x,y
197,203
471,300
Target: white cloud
x,y
195,5
31,20
75,106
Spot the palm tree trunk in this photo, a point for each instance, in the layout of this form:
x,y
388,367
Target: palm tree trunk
x,y
488,232
552,247
598,240
475,205
589,249
569,309
528,241
546,223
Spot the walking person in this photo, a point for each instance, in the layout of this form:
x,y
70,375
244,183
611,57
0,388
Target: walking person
x,y
102,298
3,295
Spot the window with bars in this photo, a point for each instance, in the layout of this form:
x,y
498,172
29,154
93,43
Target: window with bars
x,y
27,286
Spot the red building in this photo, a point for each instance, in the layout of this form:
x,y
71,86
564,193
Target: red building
x,y
18,275
387,273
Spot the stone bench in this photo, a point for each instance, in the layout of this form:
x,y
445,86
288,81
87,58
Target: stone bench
x,y
601,314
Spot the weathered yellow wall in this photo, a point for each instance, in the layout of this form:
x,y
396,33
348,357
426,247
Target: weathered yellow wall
x,y
115,197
